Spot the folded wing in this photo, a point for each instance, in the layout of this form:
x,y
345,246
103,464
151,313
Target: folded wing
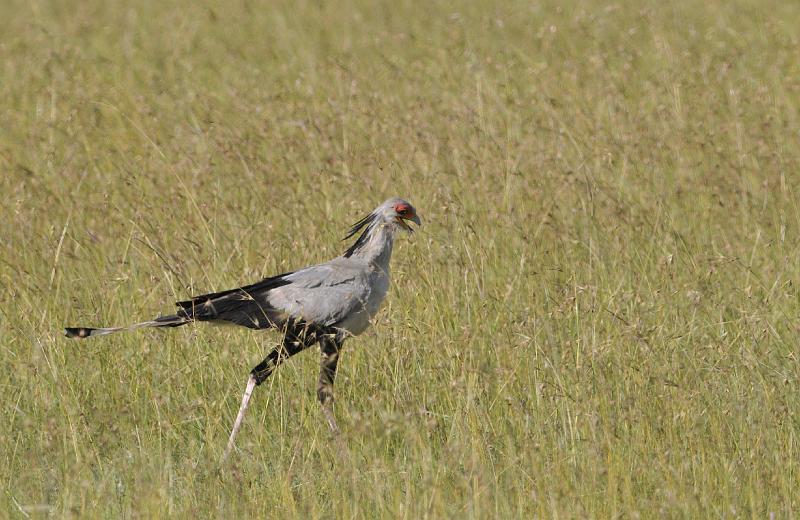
x,y
248,306
323,295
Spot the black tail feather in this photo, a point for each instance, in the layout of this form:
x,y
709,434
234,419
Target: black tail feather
x,y
247,306
78,332
163,321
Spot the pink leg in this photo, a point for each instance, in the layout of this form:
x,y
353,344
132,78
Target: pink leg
x,y
248,391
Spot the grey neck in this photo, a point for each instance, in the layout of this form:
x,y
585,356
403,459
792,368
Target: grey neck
x,y
376,247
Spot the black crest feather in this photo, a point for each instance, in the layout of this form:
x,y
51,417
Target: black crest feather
x,y
365,222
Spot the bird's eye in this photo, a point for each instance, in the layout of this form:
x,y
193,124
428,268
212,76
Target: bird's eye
x,y
402,210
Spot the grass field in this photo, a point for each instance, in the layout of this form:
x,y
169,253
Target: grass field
x,y
599,317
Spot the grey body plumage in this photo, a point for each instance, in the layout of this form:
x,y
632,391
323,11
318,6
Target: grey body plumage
x,y
324,303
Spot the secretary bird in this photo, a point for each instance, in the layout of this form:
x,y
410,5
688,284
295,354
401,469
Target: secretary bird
x,y
323,304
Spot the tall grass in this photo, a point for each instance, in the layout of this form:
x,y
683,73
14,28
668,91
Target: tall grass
x,y
599,317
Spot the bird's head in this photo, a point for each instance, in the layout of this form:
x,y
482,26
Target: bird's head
x,y
393,214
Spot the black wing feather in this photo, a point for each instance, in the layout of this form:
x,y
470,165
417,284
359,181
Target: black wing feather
x,y
247,306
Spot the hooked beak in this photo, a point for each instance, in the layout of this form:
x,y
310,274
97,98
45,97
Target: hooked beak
x,y
415,219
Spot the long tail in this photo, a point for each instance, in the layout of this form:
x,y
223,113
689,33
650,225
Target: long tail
x,y
88,332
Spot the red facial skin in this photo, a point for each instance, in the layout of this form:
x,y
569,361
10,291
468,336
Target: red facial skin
x,y
405,211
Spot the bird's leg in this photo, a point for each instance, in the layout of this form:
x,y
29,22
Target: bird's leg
x,y
330,348
292,344
251,384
